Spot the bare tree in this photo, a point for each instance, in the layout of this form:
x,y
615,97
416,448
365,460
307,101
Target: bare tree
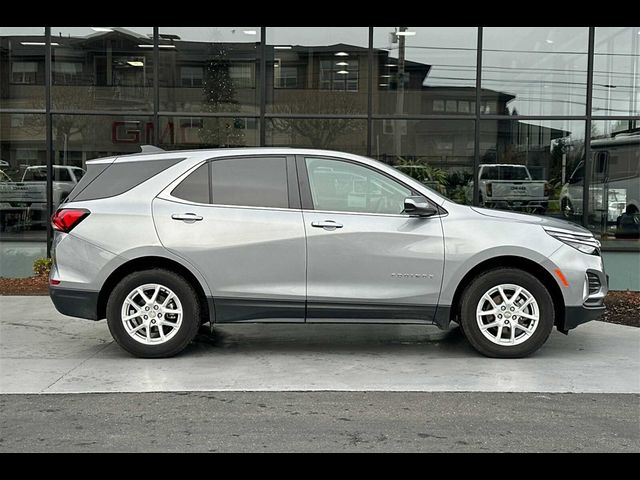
x,y
319,132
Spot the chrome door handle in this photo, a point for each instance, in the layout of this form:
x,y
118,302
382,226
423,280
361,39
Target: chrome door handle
x,y
328,224
187,217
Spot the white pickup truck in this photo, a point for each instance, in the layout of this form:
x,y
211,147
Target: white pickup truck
x,y
511,187
26,201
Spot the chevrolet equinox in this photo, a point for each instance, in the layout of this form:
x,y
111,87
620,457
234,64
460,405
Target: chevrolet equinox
x,y
160,243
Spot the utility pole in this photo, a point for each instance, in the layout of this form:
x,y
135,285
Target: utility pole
x,y
397,140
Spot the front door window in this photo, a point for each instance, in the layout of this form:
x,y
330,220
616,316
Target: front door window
x,y
338,186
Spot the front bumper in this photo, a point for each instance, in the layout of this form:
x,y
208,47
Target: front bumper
x,y
593,307
75,303
575,316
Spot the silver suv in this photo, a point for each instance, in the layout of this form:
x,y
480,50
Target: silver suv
x,y
161,243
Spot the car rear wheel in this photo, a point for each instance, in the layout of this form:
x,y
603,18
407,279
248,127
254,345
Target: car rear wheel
x,y
153,313
507,313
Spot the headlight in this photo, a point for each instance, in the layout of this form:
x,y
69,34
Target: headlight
x,y
584,242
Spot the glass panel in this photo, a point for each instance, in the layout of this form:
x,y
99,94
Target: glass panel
x,y
102,68
22,75
419,69
209,69
535,71
344,187
194,188
616,75
438,153
250,182
189,132
614,197
532,166
346,135
317,70
23,191
78,138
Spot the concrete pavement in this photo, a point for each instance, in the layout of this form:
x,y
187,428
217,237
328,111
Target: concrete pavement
x,y
42,351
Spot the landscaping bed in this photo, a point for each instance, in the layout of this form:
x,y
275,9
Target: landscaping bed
x,y
623,308
37,285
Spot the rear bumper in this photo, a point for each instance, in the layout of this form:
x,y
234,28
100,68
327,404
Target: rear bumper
x,y
75,303
575,316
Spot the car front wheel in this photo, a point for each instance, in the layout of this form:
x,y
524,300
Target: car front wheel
x,y
153,313
507,313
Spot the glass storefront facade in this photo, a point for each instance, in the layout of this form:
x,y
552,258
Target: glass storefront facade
x,y
539,120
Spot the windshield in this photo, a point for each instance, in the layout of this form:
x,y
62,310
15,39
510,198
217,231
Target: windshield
x,y
35,175
78,172
505,172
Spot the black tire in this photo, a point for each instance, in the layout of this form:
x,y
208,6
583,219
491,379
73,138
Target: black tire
x,y
493,278
190,306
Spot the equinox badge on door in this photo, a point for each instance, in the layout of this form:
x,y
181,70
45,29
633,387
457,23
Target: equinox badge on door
x,y
413,275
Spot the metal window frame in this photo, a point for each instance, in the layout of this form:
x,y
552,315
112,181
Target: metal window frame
x,y
370,117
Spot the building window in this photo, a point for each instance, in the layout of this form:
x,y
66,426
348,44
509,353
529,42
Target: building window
x,y
616,86
24,73
317,70
614,193
67,73
209,69
191,77
535,70
341,75
423,68
285,77
243,75
190,122
26,156
17,120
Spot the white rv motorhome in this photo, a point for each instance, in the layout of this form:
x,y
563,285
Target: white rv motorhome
x,y
615,181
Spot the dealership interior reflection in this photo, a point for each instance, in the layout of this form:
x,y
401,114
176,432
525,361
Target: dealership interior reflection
x,y
526,127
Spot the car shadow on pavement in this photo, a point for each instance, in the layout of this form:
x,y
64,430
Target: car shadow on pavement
x,y
330,339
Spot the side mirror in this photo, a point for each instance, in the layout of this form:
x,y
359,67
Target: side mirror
x,y
419,207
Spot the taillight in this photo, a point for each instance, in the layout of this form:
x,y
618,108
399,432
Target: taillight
x,y
489,189
67,219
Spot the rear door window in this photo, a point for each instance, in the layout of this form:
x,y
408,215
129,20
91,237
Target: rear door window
x,y
245,182
250,182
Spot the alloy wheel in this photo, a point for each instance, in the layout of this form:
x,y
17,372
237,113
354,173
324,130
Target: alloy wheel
x,y
152,314
508,315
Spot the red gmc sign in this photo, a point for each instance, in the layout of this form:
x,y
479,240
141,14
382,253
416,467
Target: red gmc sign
x,y
138,132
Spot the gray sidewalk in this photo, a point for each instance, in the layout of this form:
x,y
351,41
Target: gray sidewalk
x,y
42,351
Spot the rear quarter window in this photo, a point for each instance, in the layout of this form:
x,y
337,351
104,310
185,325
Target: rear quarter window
x,y
195,188
104,181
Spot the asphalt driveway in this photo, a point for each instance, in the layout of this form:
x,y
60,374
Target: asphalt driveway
x,y
320,422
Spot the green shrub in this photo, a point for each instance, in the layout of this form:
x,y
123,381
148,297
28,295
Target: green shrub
x,y
42,266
